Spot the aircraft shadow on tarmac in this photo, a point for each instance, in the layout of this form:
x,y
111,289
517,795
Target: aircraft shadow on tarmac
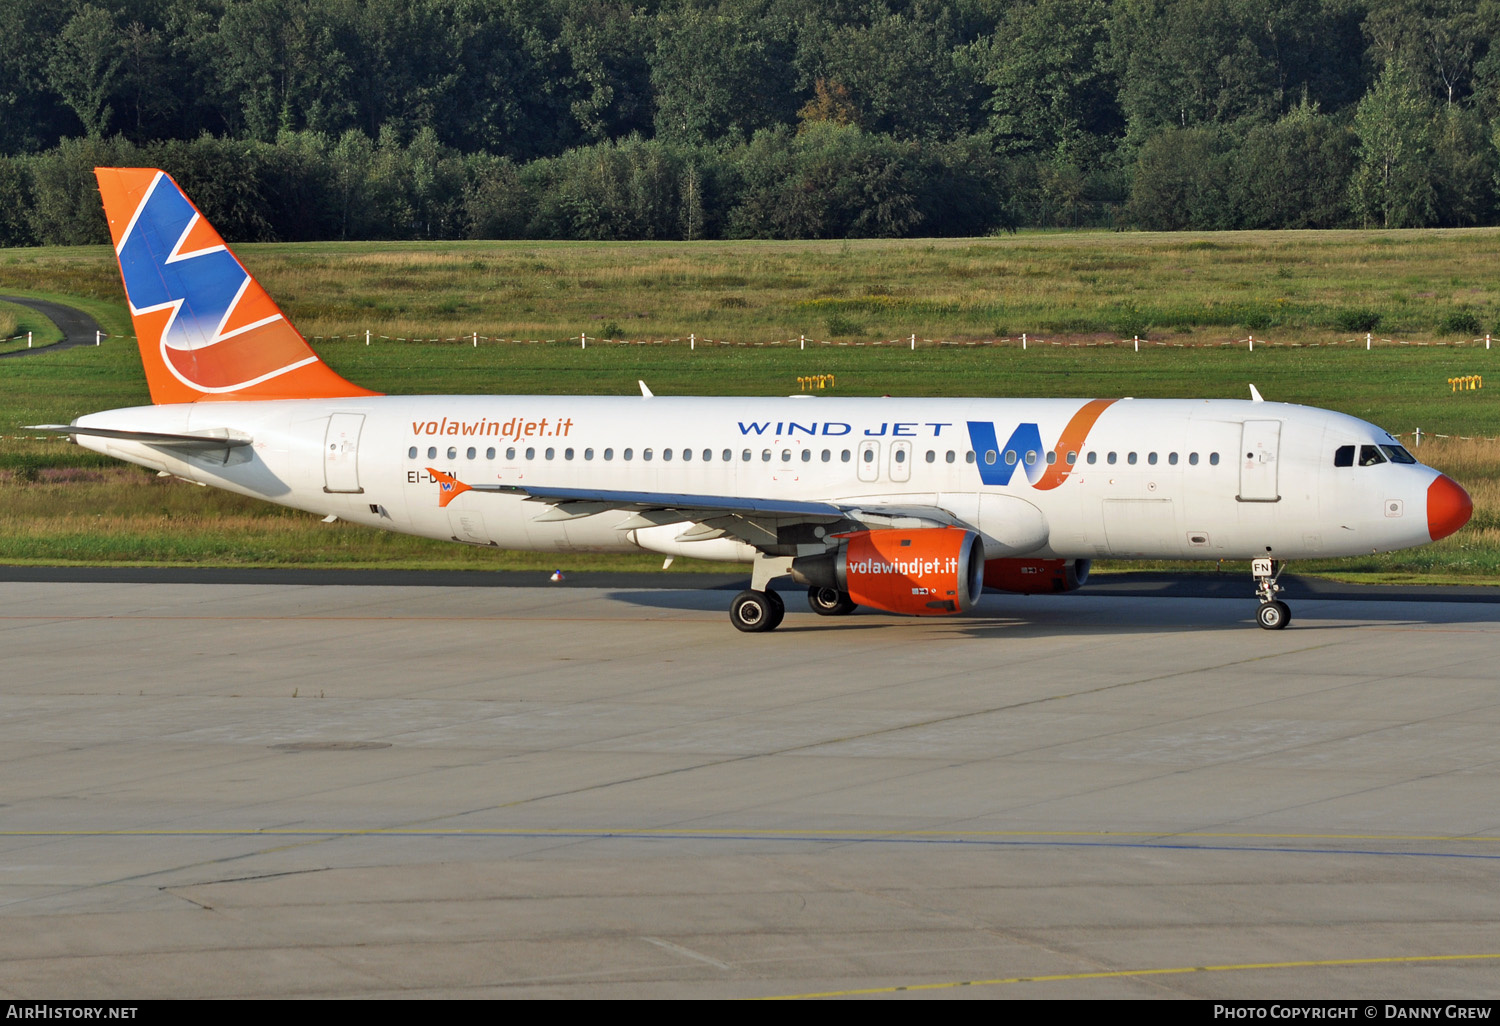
x,y
1006,614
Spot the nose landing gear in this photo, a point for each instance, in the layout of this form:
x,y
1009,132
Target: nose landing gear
x,y
1273,614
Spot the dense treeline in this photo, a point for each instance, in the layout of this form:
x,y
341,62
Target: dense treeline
x,y
312,119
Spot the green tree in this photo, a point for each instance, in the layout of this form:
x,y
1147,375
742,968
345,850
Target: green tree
x,y
1194,62
281,60
1294,173
1464,165
1181,181
1393,184
1442,42
32,115
86,66
910,75
1051,90
719,73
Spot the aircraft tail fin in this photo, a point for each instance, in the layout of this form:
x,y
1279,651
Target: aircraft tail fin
x,y
206,328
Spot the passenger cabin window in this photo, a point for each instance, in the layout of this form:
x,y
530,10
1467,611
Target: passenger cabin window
x,y
1093,458
471,453
609,454
806,455
432,452
1192,459
453,451
1343,456
1213,459
411,453
510,453
489,453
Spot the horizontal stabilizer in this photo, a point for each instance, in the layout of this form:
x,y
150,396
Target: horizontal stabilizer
x,y
218,439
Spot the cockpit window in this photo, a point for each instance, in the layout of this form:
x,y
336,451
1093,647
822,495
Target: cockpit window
x,y
1343,456
1369,455
1398,454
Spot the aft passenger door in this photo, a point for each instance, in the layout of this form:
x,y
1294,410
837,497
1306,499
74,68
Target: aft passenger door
x,y
341,453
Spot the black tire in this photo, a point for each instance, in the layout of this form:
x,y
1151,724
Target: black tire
x,y
756,611
1273,616
778,609
830,601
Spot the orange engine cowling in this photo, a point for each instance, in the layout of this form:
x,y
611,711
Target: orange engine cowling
x,y
930,571
1036,576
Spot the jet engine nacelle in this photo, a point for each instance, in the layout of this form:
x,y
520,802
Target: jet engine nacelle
x,y
1036,576
930,571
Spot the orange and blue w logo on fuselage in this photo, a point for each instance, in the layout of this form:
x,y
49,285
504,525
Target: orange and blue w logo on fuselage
x,y
1023,449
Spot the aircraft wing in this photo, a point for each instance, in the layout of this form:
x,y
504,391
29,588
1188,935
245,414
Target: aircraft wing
x,y
756,521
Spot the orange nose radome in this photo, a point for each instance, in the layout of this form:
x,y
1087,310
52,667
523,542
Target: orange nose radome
x,y
1448,507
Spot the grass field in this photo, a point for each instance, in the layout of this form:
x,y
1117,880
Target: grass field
x,y
60,503
16,321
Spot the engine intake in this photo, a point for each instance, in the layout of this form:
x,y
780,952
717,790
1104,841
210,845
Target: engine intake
x,y
930,571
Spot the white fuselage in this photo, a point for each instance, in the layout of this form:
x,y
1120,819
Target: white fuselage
x,y
1160,479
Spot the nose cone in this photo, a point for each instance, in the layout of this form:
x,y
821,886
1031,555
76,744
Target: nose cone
x,y
1448,507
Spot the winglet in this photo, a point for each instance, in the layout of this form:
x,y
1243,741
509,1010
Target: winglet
x,y
449,487
206,328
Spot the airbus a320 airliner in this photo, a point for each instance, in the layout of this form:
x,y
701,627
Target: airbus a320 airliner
x,y
903,505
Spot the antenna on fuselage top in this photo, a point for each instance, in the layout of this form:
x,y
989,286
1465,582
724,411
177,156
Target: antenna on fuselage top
x,y
646,392
1255,395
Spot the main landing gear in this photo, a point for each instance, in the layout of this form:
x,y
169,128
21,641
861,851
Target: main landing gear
x,y
830,601
757,611
1273,614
